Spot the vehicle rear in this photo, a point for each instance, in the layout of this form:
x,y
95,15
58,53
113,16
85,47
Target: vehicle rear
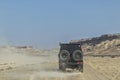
x,y
70,56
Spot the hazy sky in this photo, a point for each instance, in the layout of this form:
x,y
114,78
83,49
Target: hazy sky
x,y
45,23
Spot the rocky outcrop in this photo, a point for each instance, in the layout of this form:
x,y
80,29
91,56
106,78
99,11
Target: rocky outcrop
x,y
96,40
105,44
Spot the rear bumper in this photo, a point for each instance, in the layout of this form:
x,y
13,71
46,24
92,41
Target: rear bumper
x,y
74,63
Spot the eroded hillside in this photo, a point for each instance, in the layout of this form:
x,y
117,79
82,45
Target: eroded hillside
x,y
106,44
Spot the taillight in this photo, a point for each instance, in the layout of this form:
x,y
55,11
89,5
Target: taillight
x,y
80,62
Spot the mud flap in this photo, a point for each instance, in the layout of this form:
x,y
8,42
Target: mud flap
x,y
80,68
62,66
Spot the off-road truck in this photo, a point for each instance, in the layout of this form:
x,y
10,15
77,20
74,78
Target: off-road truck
x,y
70,56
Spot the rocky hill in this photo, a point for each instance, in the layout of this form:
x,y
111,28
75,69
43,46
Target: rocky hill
x,y
105,44
97,40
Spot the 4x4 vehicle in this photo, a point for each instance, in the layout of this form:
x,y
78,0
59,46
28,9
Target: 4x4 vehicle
x,y
70,56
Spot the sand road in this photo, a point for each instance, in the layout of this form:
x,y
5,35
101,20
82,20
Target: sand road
x,y
33,72
16,65
92,74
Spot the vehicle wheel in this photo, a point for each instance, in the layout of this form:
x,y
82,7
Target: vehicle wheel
x,y
64,55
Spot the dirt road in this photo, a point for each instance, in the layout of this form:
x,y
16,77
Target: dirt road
x,y
19,66
34,72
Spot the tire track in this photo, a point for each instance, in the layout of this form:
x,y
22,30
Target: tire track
x,y
92,74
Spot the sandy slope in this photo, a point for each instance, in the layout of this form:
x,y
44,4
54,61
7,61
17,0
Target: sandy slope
x,y
33,64
104,48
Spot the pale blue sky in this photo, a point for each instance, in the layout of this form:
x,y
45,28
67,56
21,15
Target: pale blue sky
x,y
45,23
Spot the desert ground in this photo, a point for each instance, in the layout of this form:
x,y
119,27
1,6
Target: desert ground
x,y
35,64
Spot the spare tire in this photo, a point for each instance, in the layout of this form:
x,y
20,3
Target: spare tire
x,y
64,55
77,55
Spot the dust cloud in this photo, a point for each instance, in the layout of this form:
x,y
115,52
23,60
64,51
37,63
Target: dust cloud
x,y
31,64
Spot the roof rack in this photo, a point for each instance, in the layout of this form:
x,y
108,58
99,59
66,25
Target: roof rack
x,y
68,44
